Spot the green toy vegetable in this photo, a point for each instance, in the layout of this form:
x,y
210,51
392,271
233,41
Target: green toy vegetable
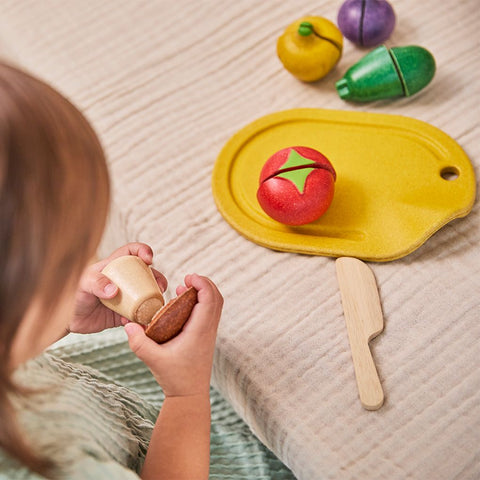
x,y
386,73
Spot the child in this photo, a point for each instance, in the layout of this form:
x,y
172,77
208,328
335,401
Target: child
x,y
55,416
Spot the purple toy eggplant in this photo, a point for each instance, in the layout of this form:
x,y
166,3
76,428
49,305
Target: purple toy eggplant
x,y
366,22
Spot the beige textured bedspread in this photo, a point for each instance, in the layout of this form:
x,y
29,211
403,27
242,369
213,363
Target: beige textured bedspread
x,y
166,84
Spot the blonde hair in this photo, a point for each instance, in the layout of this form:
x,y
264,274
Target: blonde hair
x,y
54,194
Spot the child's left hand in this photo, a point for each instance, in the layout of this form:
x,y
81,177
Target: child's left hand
x,y
90,314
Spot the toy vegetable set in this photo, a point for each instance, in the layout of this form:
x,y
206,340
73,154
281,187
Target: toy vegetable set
x,y
338,183
366,186
311,47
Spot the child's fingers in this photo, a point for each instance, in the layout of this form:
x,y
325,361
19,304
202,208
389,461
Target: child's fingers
x,y
141,250
142,346
180,289
206,313
99,285
138,249
208,292
93,281
161,280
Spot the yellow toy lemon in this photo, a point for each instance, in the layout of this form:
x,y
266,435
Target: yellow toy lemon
x,y
310,47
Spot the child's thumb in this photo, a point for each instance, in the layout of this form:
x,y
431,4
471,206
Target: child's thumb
x,y
100,285
142,346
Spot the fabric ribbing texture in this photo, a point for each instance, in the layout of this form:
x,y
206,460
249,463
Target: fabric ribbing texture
x,y
96,410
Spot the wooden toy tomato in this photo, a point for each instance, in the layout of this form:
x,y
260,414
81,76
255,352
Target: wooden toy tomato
x,y
296,185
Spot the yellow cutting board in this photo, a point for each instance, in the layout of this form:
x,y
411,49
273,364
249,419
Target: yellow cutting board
x,y
398,181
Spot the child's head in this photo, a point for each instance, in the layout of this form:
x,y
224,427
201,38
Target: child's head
x,y
54,194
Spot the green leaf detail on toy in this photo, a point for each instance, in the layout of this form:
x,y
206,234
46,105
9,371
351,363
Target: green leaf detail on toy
x,y
296,160
305,29
298,177
297,169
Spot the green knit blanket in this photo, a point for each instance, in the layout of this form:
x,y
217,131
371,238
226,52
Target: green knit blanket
x,y
236,454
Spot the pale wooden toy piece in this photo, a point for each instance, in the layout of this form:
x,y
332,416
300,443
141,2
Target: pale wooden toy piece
x,y
139,296
364,319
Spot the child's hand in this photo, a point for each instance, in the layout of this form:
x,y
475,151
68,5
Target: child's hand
x,y
90,314
182,366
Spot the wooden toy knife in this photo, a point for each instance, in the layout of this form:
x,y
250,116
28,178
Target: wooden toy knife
x,y
364,319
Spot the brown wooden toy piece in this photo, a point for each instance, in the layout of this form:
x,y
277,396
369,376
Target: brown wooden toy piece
x,y
170,319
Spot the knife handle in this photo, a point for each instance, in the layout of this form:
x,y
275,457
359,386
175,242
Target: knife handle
x,y
364,320
369,387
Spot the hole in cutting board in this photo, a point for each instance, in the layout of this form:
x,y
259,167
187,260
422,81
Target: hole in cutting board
x,y
449,173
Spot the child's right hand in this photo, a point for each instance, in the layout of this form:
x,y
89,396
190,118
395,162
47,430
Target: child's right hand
x,y
183,366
